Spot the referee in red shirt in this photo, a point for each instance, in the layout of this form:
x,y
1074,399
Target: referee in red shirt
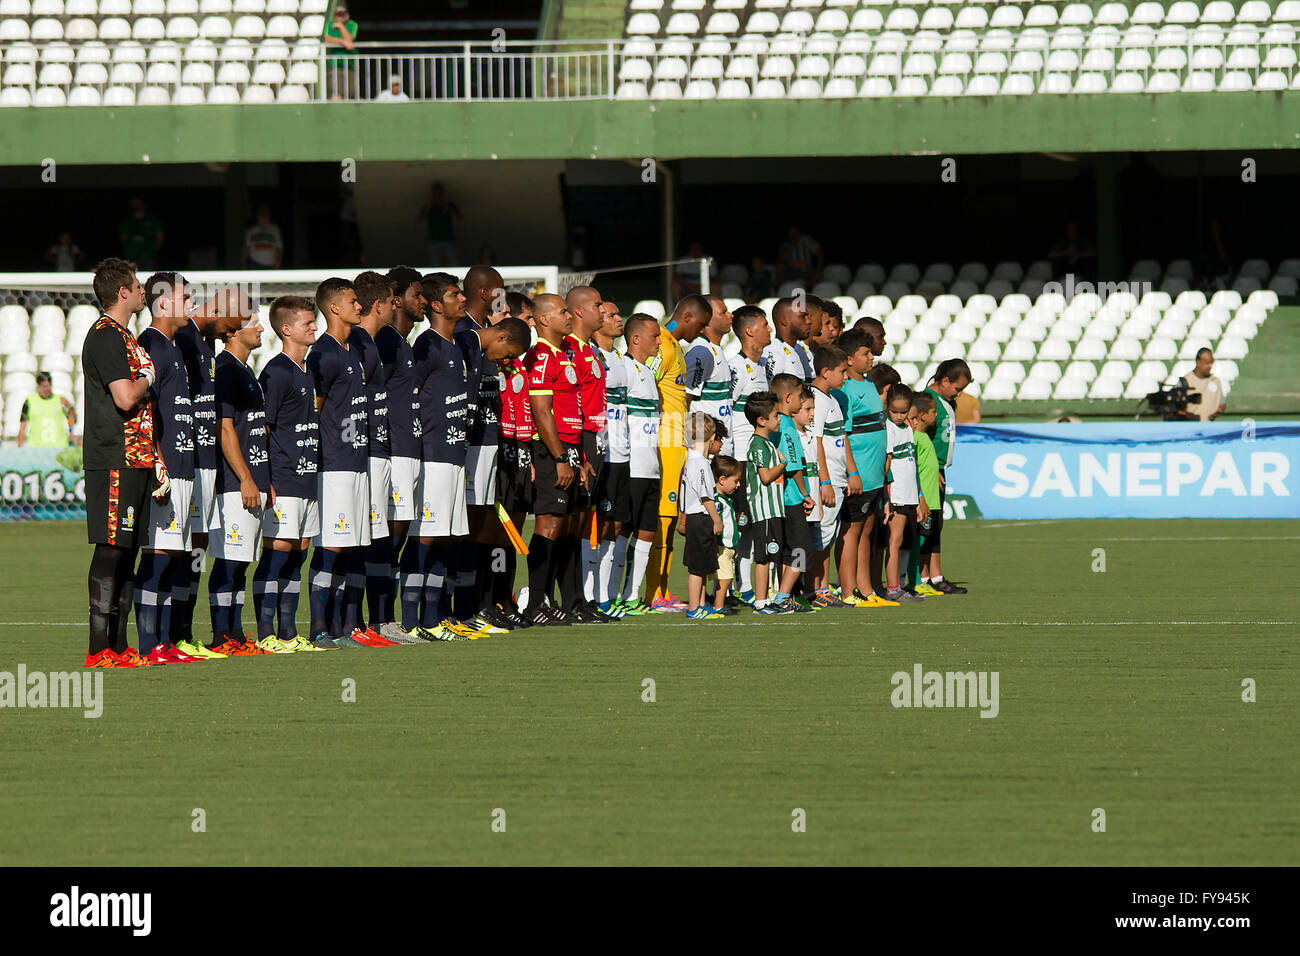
x,y
121,460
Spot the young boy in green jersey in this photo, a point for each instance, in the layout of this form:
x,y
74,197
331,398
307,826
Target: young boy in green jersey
x,y
764,473
927,472
906,506
727,473
794,403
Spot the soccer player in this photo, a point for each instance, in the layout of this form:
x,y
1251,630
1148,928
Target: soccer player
x,y
520,306
875,332
689,317
833,460
641,334
120,460
865,421
227,309
905,505
748,375
786,355
244,489
950,378
794,405
442,376
404,429
703,522
555,397
483,346
708,376
343,481
484,294
612,495
832,326
584,304
375,296
293,442
514,470
927,476
765,470
168,303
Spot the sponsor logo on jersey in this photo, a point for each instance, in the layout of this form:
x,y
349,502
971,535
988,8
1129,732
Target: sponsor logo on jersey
x,y
128,522
570,374
341,523
172,523
517,383
773,547
374,515
427,511
232,536
278,512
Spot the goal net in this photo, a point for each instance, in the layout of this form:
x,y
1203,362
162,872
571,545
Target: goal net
x,y
44,317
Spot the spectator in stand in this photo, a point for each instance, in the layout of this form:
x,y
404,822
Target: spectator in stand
x,y
142,236
263,246
1073,255
802,258
45,417
394,92
441,216
761,281
64,255
1206,385
686,277
1216,268
340,37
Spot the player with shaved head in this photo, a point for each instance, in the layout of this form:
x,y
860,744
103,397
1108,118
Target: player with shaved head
x,y
689,318
786,355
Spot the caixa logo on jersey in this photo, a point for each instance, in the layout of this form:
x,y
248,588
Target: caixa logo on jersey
x,y
1129,470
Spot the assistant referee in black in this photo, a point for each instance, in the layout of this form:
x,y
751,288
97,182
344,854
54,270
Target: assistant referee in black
x,y
120,459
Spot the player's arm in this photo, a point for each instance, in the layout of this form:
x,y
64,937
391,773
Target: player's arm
x,y
855,478
712,511
248,491
69,410
22,424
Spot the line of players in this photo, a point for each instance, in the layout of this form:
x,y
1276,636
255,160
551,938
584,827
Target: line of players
x,y
392,456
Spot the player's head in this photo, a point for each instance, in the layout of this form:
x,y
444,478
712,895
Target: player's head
x,y
446,300
611,322
641,335
857,351
293,318
813,307
875,331
337,301
227,309
375,296
721,321
786,388
900,403
803,416
700,428
508,339
44,384
584,305
719,433
1204,362
520,306
760,411
247,332
790,318
830,365
726,473
167,299
408,297
552,317
884,377
484,291
832,322
950,378
749,322
117,288
689,317
924,409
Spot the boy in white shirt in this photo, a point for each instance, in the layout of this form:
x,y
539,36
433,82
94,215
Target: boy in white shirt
x,y
700,512
833,459
906,505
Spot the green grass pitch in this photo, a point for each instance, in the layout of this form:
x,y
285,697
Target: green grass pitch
x,y
1119,690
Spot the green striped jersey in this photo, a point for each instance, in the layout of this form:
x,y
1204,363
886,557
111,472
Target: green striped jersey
x,y
765,500
642,419
616,406
902,466
828,425
708,382
747,377
944,430
730,537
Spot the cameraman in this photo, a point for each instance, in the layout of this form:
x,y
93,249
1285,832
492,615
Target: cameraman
x,y
1201,382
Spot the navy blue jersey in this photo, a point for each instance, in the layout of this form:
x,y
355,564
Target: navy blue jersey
x,y
361,342
403,397
443,379
201,369
341,387
174,423
292,427
239,398
485,390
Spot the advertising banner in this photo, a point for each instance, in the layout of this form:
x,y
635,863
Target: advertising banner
x,y
41,483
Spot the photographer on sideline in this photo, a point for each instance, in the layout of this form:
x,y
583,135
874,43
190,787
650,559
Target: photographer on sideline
x,y
1202,383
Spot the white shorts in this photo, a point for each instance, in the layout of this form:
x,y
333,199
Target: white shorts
x,y
240,530
344,498
481,475
203,502
381,488
292,519
827,527
405,484
442,501
169,522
